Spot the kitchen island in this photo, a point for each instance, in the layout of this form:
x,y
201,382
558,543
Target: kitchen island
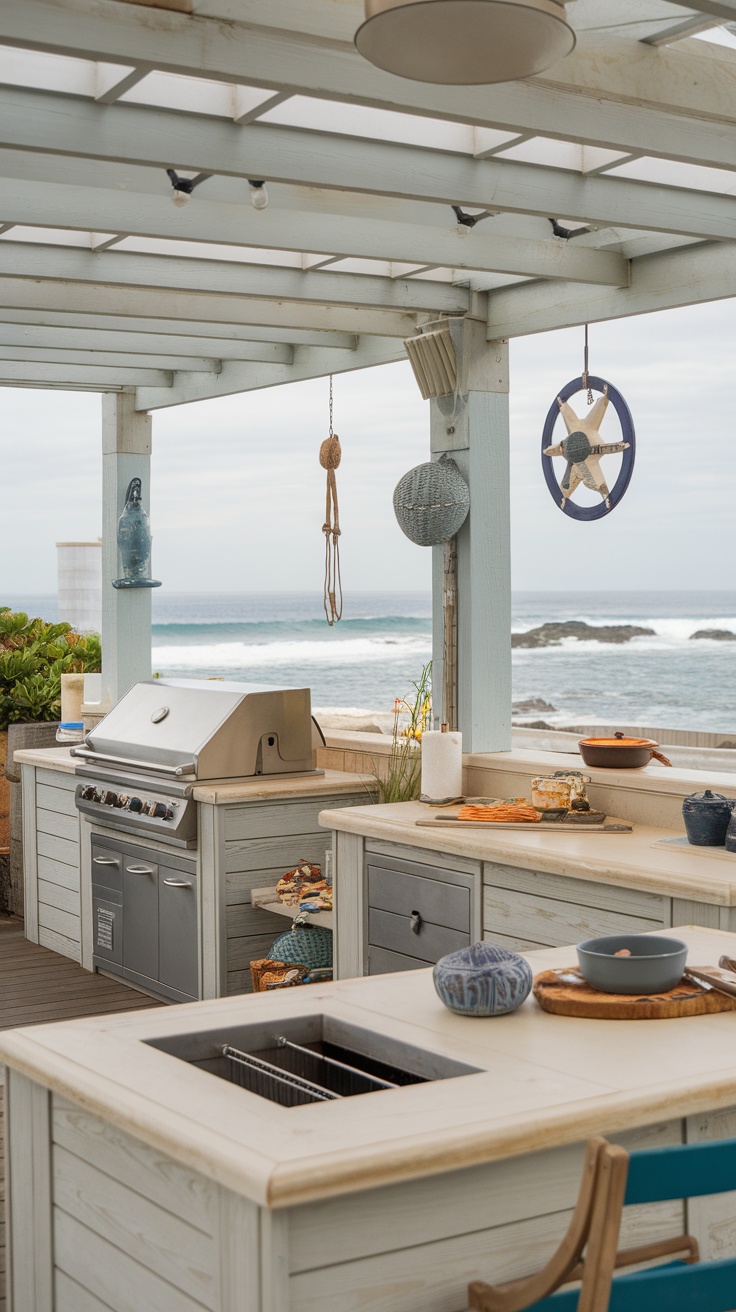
x,y
248,834
525,890
138,1180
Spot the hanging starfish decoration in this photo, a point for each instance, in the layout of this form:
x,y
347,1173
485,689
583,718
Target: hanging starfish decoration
x,y
582,449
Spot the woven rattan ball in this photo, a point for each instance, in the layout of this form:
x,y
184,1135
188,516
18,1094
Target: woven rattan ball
x,y
431,502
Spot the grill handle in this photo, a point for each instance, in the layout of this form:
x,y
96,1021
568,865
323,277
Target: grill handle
x,y
178,883
88,755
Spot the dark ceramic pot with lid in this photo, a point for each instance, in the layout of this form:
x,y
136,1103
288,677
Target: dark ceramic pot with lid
x,y
731,832
620,752
707,817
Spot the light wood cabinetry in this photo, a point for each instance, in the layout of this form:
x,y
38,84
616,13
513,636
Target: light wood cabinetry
x,y
243,844
381,881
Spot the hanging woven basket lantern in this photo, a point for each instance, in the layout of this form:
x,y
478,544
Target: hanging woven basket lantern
x,y
431,502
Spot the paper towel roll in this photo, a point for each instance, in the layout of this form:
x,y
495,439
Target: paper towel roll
x,y
72,693
442,765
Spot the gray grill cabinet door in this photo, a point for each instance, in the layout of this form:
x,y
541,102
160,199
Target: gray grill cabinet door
x,y
140,916
177,930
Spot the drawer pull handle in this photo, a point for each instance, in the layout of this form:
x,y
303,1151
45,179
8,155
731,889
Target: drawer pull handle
x,y
178,883
106,860
139,870
416,922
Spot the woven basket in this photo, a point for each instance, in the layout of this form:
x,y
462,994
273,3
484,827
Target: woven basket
x,y
431,502
304,945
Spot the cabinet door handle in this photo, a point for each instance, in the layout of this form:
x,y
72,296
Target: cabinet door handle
x,y
416,922
178,883
106,860
140,870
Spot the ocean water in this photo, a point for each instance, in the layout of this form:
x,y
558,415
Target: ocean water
x,y
384,639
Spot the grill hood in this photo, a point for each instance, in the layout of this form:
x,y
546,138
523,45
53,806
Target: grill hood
x,y
205,729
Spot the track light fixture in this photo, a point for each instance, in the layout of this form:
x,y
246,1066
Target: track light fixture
x,y
258,194
182,188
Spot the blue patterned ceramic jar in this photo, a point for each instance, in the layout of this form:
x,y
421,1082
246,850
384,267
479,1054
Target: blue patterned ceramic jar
x,y
483,980
707,816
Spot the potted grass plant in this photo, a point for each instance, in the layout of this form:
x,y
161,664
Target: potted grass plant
x,y
400,778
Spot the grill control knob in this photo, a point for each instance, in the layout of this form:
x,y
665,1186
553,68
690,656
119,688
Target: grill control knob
x,y
135,804
109,798
159,810
89,793
169,813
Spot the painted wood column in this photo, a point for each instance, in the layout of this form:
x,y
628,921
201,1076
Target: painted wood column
x,y
477,438
126,613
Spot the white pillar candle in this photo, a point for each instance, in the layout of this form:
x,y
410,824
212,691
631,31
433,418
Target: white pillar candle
x,y
442,765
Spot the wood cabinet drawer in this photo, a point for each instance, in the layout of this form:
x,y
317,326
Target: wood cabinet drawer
x,y
387,930
445,904
383,962
552,922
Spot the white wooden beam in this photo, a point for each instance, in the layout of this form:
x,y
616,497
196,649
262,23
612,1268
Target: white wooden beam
x,y
224,341
126,613
282,60
118,269
291,317
61,206
236,377
14,373
29,121
724,10
690,276
112,81
108,359
678,31
111,343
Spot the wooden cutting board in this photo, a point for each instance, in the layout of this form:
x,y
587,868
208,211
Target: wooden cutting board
x,y
531,826
564,992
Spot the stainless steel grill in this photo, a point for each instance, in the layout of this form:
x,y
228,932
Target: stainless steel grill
x,y
168,735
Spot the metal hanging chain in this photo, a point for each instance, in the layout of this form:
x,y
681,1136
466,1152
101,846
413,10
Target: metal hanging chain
x,y
584,380
330,455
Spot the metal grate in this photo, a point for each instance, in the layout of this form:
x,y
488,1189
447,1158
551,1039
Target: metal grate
x,y
302,1075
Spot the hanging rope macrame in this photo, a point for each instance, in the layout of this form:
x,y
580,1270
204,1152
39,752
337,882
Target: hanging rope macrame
x,y
329,458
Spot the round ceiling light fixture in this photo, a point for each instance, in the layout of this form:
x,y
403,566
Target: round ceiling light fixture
x,y
464,42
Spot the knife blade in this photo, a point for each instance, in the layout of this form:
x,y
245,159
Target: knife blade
x,y
713,981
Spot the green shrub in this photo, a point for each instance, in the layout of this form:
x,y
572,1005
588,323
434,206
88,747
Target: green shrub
x,y
33,656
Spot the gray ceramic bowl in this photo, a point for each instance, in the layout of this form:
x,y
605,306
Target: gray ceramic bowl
x,y
655,964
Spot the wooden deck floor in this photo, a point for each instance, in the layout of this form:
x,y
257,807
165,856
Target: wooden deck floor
x,y
37,986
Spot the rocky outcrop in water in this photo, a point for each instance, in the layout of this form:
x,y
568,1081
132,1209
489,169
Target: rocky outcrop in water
x,y
530,705
551,635
715,635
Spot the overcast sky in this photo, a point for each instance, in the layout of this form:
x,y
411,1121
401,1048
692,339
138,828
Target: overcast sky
x,y
238,492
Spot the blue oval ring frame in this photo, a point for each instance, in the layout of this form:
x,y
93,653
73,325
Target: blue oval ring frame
x,y
627,462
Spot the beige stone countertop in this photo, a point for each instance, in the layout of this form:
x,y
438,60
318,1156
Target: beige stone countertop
x,y
47,758
543,1081
273,786
628,859
245,790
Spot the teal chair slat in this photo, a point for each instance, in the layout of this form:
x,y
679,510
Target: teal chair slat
x,y
683,1171
705,1287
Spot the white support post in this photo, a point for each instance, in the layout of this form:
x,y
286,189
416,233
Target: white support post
x,y
126,613
477,438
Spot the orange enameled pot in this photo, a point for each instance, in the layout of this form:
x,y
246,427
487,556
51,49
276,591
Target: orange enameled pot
x,y
619,752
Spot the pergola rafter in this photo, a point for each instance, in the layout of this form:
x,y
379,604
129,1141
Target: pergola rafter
x,y
603,187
